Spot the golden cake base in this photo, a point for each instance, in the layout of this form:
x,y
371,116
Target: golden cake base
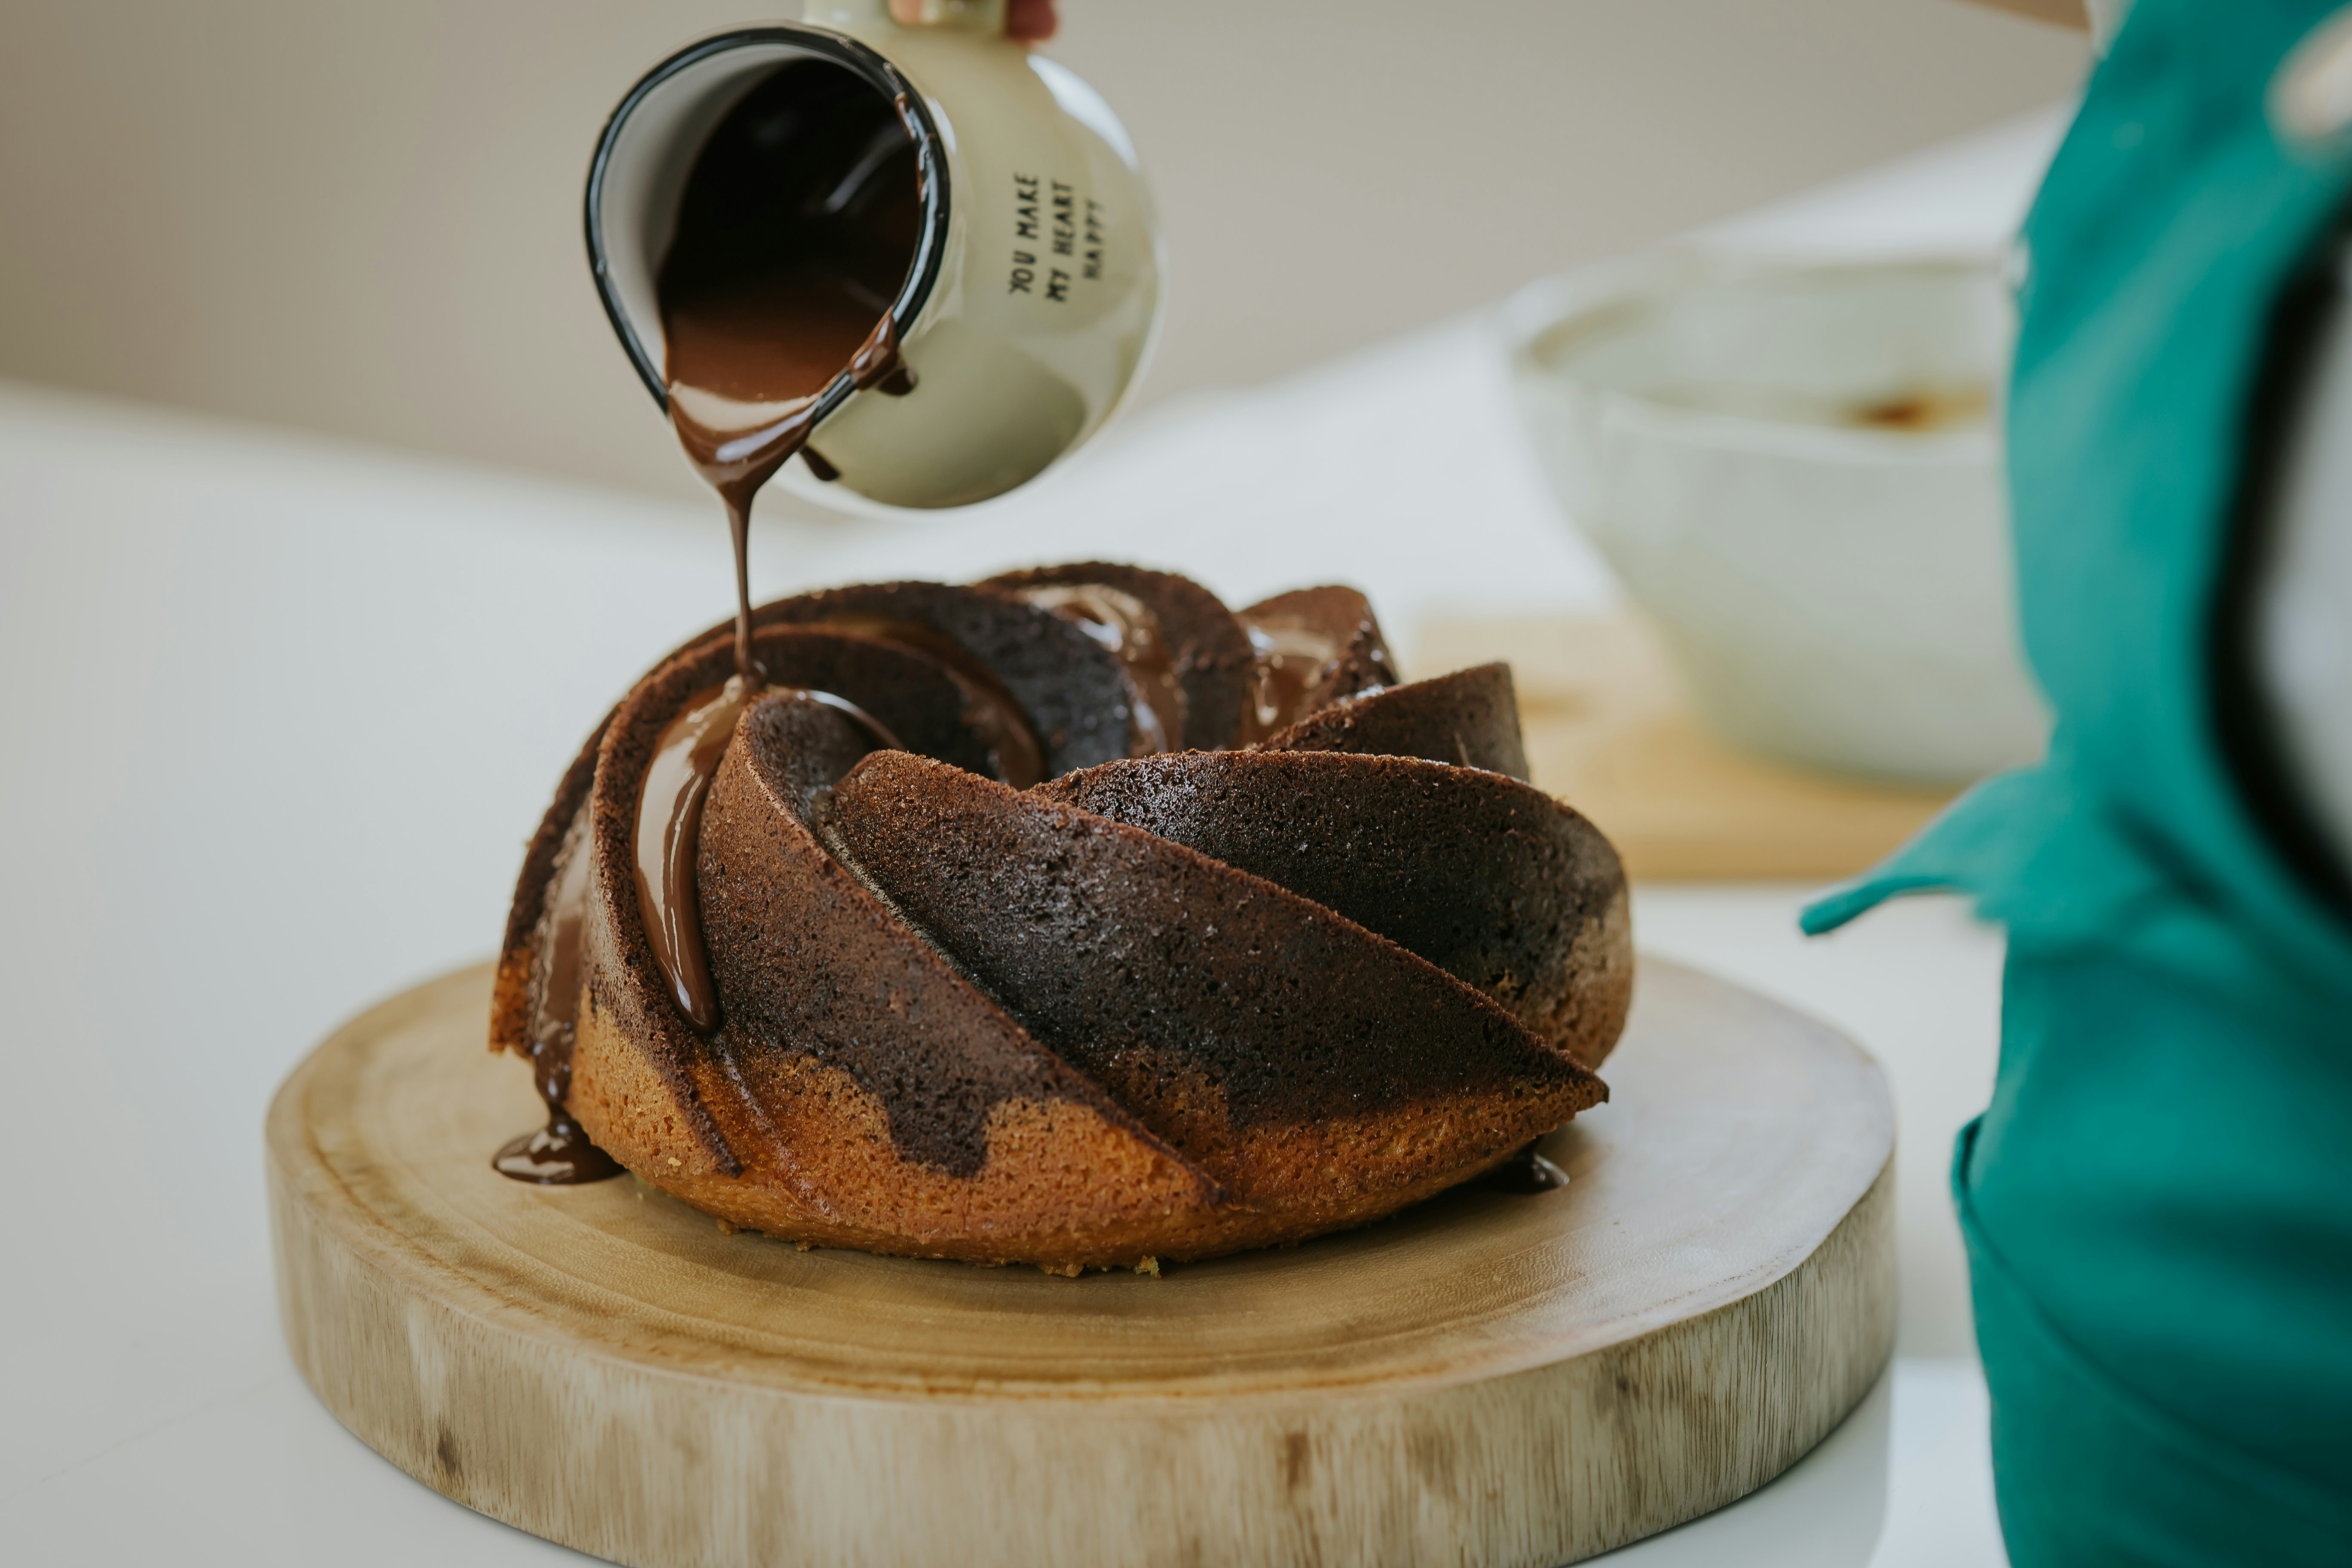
x,y
1484,1379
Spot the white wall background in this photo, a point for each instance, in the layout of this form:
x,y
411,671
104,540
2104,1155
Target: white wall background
x,y
362,218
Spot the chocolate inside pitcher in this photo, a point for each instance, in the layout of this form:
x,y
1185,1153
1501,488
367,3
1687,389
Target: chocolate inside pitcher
x,y
796,229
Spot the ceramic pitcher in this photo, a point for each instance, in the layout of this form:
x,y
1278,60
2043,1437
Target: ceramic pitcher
x,y
1034,292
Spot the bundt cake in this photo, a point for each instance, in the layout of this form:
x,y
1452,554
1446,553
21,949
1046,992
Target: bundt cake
x,y
1066,918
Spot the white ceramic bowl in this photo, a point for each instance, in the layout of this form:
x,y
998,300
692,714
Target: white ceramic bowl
x,y
1795,468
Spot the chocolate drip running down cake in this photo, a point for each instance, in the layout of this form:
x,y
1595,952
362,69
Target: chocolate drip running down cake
x,y
1067,917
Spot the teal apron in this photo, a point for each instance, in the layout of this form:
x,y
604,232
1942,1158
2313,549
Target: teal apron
x,y
2157,1203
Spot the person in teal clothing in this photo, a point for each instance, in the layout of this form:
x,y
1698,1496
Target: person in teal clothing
x,y
2157,1203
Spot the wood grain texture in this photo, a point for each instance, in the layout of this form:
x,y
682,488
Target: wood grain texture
x,y
1484,1379
1607,730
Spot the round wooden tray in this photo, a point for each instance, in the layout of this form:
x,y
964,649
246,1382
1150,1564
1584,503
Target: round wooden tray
x,y
1484,1379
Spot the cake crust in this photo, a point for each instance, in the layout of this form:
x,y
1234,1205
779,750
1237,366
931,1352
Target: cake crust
x,y
1504,888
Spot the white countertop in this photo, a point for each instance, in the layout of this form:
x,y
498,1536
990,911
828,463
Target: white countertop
x,y
279,713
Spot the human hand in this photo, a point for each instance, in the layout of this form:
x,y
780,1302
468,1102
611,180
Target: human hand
x,y
1025,21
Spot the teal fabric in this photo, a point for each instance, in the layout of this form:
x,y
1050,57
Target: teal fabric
x,y
2157,1203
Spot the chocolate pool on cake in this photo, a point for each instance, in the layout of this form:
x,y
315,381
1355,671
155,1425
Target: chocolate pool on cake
x,y
1067,917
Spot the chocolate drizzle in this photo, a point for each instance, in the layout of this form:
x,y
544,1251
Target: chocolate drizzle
x,y
557,1154
1124,624
796,228
1311,647
993,712
796,231
1291,660
669,829
669,835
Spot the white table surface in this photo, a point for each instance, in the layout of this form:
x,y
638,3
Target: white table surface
x,y
277,714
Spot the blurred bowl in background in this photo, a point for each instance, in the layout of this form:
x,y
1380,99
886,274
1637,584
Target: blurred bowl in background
x,y
1795,468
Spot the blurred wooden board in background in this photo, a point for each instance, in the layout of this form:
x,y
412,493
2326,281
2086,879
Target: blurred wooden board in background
x,y
1608,731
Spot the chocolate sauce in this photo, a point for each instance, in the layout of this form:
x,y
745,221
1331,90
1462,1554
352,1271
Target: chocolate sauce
x,y
557,1154
669,832
1526,1172
993,711
1291,662
796,228
668,837
1124,624
1313,646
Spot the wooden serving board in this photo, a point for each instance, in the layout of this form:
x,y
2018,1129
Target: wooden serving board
x,y
1487,1379
1609,732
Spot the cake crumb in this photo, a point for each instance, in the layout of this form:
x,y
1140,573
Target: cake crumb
x,y
1148,1265
728,1226
1066,1270
804,1247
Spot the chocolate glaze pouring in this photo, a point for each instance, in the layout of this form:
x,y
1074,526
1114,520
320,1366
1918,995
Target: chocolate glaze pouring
x,y
670,834
796,228
669,826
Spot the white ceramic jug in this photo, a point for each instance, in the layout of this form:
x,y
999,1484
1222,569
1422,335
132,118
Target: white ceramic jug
x,y
1034,293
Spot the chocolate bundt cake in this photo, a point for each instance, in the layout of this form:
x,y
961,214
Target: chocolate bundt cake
x,y
1066,918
